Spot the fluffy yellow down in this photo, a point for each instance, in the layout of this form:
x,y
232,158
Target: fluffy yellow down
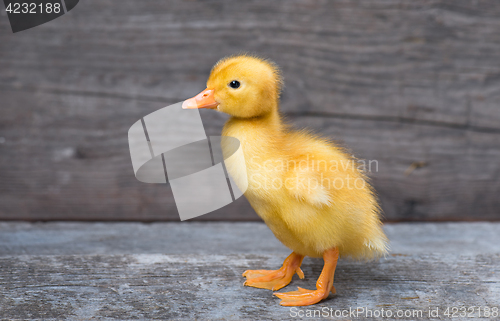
x,y
308,190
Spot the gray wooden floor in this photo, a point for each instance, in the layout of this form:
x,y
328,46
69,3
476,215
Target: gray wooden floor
x,y
193,271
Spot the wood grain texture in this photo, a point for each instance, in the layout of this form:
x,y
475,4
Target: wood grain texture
x,y
398,82
110,238
209,287
188,271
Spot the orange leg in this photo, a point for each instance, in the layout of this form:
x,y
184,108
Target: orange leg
x,y
324,285
275,279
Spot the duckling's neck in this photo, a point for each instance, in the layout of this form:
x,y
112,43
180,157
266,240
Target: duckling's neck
x,y
257,135
268,125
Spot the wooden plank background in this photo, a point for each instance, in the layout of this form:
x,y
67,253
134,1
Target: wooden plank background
x,y
400,82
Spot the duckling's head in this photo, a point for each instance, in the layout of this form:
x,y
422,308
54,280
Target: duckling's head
x,y
242,86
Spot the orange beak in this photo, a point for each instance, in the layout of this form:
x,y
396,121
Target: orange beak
x,y
205,99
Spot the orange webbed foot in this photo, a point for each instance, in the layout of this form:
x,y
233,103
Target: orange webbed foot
x,y
324,286
303,296
275,279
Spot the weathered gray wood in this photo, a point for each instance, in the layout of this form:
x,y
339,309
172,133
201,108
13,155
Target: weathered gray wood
x,y
66,238
210,287
70,172
400,82
197,272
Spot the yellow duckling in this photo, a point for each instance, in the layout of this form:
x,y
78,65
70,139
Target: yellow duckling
x,y
307,190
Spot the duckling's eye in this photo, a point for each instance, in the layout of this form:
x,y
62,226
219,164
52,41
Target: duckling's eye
x,y
234,84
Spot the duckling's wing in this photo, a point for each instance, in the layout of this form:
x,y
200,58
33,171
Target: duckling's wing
x,y
306,185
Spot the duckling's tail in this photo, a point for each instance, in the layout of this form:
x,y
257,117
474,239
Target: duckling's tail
x,y
377,245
